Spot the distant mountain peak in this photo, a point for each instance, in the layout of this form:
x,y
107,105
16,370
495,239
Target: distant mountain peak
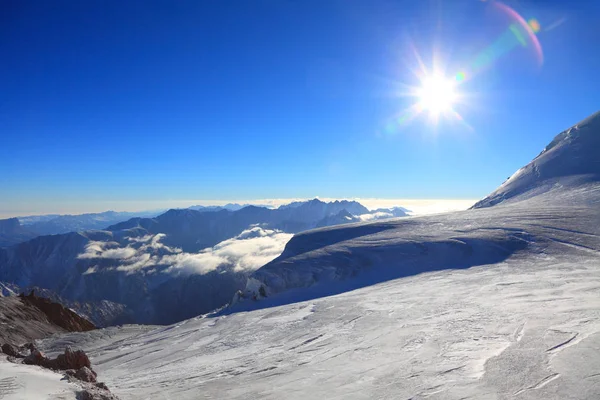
x,y
9,225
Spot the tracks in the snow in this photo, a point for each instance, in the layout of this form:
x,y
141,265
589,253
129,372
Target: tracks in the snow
x,y
8,386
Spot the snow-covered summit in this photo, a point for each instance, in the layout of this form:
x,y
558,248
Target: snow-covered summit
x,y
571,159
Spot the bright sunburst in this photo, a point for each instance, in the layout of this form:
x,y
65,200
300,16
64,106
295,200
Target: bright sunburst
x,y
436,95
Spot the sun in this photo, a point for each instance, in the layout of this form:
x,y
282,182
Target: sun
x,y
433,95
436,95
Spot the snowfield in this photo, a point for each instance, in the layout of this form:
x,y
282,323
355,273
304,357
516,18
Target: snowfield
x,y
25,382
527,327
498,302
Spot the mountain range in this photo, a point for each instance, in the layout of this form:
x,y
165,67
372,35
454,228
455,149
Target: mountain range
x,y
181,263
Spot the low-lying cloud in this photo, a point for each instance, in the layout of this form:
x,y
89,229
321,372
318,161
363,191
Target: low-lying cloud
x,y
246,252
375,215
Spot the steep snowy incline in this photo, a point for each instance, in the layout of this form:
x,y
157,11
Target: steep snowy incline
x,y
570,160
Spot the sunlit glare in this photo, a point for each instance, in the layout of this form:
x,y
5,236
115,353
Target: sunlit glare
x,y
440,95
436,94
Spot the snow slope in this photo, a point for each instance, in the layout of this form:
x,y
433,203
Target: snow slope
x,y
26,382
500,302
571,159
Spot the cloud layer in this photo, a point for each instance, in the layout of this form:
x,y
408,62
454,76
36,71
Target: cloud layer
x,y
246,252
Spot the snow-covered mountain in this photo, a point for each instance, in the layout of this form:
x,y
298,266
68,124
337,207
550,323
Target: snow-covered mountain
x,y
161,270
572,159
195,230
497,302
131,268
343,217
394,211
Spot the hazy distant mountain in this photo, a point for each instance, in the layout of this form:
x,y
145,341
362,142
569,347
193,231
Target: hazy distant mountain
x,y
12,232
194,230
393,211
343,217
228,206
352,207
53,224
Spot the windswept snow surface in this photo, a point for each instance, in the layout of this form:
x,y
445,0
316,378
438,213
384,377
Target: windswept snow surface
x,y
526,326
27,382
498,302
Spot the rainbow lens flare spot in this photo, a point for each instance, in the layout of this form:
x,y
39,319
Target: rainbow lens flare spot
x,y
534,25
460,77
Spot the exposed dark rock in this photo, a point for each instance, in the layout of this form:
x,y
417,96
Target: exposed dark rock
x,y
86,375
94,393
11,350
57,314
36,358
26,318
21,323
71,360
29,346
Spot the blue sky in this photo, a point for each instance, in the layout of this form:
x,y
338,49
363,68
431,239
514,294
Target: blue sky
x,y
125,103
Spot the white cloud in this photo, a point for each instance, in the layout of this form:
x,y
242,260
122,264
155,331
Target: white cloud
x,y
374,216
106,250
248,251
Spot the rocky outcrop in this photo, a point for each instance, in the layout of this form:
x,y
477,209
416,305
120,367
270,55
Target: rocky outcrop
x,y
72,360
75,364
24,319
21,323
94,392
85,374
11,350
57,314
36,357
69,360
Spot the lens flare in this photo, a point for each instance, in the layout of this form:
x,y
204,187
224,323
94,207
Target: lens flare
x,y
519,34
528,30
437,95
534,25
